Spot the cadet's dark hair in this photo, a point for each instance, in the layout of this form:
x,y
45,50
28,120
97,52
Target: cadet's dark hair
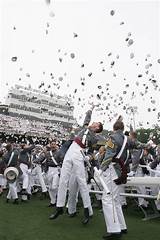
x,y
22,145
9,147
53,141
100,129
118,125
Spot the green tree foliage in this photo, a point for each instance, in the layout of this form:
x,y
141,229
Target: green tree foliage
x,y
144,135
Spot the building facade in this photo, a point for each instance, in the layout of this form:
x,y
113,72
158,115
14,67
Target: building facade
x,y
34,104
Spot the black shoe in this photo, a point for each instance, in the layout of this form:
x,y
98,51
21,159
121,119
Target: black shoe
x,y
35,190
7,200
23,192
15,201
73,215
112,236
28,196
124,206
59,211
124,231
86,216
51,205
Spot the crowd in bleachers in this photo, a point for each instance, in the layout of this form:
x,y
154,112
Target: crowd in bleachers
x,y
18,125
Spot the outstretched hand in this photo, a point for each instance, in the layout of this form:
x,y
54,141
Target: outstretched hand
x,y
93,105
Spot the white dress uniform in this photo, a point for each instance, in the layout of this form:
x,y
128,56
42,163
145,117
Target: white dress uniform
x,y
73,159
73,195
112,209
52,175
25,175
25,164
53,182
39,175
139,158
114,174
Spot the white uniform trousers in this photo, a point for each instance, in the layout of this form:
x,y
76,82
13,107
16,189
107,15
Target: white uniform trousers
x,y
38,172
73,159
53,182
112,209
30,182
25,175
3,181
97,188
155,189
122,199
73,195
12,193
141,189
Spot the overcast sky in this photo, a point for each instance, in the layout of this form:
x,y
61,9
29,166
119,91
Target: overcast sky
x,y
123,73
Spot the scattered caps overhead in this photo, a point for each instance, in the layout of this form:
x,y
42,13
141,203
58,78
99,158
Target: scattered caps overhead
x,y
112,12
131,55
75,35
72,55
112,64
130,42
14,59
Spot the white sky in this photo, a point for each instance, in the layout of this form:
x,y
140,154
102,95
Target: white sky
x,y
99,33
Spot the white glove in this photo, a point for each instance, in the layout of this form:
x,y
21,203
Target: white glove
x,y
98,172
131,174
148,167
87,158
29,171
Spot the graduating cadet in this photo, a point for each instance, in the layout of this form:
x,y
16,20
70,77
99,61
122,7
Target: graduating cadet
x,y
25,165
53,167
114,173
74,159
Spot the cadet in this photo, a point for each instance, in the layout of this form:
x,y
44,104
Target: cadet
x,y
114,173
74,159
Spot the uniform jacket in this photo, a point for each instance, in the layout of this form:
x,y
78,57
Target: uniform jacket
x,y
47,159
24,155
90,137
15,160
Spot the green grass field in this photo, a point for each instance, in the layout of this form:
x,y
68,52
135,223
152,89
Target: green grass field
x,y
29,221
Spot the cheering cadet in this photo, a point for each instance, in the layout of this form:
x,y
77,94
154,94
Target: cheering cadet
x,y
74,159
114,173
25,165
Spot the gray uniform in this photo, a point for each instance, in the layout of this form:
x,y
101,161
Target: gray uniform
x,y
114,173
15,161
24,156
